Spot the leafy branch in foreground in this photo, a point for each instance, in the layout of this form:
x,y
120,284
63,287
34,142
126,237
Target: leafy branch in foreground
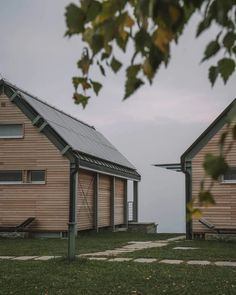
x,y
151,26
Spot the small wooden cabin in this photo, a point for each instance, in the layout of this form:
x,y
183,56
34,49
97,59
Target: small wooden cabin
x,y
58,169
221,217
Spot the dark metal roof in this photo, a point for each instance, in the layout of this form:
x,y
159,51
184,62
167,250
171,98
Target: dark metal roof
x,y
80,136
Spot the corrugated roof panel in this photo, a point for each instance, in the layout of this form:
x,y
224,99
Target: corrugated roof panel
x,y
80,136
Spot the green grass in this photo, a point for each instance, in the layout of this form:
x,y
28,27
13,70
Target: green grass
x,y
86,242
208,250
87,277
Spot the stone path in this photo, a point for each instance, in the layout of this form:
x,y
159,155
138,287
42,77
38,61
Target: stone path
x,y
126,259
109,255
133,246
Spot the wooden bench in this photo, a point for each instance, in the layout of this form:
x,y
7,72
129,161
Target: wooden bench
x,y
217,229
18,228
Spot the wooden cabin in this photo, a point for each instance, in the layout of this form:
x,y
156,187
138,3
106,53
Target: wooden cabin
x,y
58,169
221,217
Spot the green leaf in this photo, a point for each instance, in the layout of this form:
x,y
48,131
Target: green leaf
x,y
213,74
212,48
81,81
96,86
81,99
115,65
214,166
142,39
133,70
93,10
229,40
102,70
206,198
75,18
84,62
203,25
226,68
131,86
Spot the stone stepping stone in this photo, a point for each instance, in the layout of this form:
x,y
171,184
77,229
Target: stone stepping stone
x,y
198,262
225,263
7,257
45,258
97,258
176,239
170,261
185,248
119,259
145,260
24,258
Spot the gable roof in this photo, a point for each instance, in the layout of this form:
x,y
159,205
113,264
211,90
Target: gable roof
x,y
84,139
203,139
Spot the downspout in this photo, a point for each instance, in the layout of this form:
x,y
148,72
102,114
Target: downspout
x,y
72,224
188,192
187,170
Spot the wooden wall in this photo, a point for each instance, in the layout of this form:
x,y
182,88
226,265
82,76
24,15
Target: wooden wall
x,y
85,200
119,200
223,214
104,201
48,203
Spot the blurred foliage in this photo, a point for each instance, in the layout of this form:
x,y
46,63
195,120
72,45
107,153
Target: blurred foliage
x,y
151,26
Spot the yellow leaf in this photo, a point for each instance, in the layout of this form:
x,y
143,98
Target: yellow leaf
x,y
174,13
147,69
128,21
196,213
161,38
123,34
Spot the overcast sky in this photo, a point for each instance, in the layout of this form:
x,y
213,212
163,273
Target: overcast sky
x,y
156,125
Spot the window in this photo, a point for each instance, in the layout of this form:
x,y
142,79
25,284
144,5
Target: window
x,y
11,130
11,177
36,176
229,176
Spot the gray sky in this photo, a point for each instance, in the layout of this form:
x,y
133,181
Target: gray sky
x,y
156,125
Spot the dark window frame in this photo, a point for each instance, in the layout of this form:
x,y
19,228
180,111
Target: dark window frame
x,y
4,182
13,136
29,176
229,181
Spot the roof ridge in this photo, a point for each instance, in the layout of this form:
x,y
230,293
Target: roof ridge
x,y
47,104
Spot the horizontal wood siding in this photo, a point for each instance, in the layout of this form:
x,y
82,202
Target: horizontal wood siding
x,y
119,200
85,201
48,203
104,201
223,214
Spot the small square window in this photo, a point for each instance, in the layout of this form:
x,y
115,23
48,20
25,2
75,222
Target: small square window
x,y
229,176
11,130
11,177
36,176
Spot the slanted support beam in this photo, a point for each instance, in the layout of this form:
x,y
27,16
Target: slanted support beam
x,y
66,148
14,95
35,121
112,212
135,201
96,204
43,126
126,203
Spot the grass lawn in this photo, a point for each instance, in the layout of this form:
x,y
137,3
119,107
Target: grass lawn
x,y
84,277
208,250
86,242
